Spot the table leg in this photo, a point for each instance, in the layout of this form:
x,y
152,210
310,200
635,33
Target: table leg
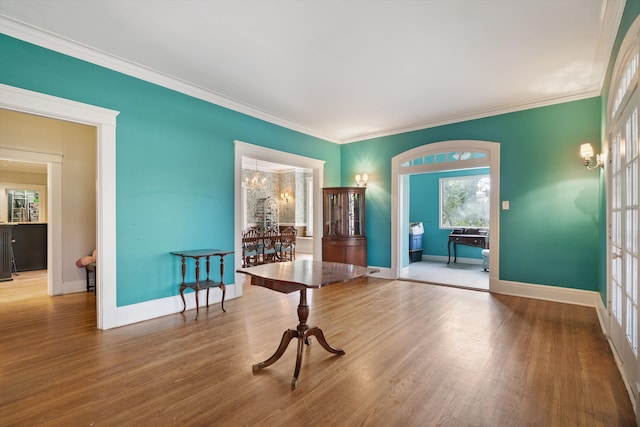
x,y
184,303
197,287
208,265
302,333
222,287
449,251
288,335
323,341
184,272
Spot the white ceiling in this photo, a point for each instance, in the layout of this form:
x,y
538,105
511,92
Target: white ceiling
x,y
341,70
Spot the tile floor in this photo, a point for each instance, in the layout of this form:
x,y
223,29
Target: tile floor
x,y
455,274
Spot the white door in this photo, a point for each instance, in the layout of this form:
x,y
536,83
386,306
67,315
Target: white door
x,y
623,185
623,238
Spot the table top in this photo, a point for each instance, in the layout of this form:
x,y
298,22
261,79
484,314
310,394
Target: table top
x,y
198,253
304,274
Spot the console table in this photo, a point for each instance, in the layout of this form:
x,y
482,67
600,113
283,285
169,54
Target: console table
x,y
476,240
202,284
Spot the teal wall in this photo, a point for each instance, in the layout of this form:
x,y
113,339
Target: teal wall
x,y
424,206
174,162
550,235
175,173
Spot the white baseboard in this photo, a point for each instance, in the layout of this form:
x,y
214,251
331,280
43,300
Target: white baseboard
x,y
304,244
603,317
147,310
548,293
384,273
74,286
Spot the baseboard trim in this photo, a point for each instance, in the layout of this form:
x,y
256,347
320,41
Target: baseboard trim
x,y
385,273
134,313
74,286
304,244
547,293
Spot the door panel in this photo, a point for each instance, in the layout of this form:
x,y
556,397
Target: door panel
x,y
623,239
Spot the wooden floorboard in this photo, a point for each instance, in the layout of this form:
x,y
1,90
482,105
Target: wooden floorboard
x,y
416,355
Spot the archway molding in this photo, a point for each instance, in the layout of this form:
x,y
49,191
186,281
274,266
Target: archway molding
x,y
405,164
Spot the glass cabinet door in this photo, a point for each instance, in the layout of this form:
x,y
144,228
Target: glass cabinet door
x,y
344,211
23,206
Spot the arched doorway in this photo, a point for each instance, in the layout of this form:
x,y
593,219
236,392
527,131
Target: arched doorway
x,y
433,158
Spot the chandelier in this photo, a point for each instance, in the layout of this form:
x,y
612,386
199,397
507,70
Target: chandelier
x,y
256,181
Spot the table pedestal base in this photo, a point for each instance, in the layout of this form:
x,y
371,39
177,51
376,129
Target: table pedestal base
x,y
302,333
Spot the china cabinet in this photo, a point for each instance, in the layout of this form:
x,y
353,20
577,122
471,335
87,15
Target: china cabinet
x,y
344,238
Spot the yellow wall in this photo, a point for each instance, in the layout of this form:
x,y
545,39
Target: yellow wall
x,y
77,145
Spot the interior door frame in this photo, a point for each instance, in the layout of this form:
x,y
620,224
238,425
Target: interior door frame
x,y
399,195
629,46
104,120
244,149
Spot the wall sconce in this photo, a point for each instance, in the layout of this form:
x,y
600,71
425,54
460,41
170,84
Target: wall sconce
x,y
586,152
284,197
361,181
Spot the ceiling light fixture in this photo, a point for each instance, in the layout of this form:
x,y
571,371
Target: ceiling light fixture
x,y
256,181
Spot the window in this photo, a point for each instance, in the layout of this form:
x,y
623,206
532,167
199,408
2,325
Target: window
x,y
464,201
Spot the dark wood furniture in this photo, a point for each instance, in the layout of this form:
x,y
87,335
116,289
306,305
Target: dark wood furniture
x,y
207,283
287,244
270,246
92,267
299,276
6,256
251,248
30,246
466,237
344,237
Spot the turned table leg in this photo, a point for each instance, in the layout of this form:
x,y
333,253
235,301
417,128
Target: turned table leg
x,y
222,287
197,288
182,286
302,333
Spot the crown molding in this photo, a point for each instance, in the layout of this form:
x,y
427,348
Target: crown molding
x,y
611,16
37,36
478,115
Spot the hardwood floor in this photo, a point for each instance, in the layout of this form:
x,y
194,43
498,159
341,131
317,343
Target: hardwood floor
x,y
416,354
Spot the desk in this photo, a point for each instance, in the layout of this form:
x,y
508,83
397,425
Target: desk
x,y
201,284
477,240
287,277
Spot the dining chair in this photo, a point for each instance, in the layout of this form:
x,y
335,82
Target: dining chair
x,y
287,245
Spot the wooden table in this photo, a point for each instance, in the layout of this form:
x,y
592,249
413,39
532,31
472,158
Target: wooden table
x,y
201,284
476,240
301,275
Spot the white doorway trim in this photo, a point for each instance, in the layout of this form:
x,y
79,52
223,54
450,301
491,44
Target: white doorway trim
x,y
243,149
400,186
54,218
104,120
